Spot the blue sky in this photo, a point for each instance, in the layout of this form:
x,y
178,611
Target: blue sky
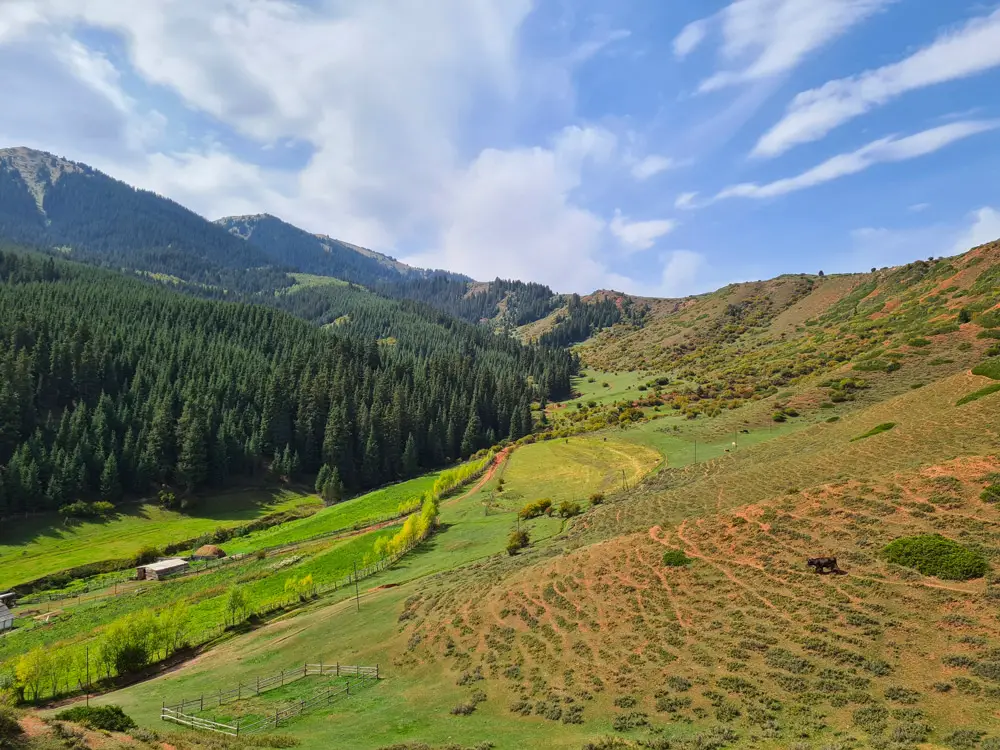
x,y
660,148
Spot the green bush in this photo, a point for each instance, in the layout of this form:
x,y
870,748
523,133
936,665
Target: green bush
x,y
517,541
597,498
535,509
568,509
10,727
991,494
935,555
146,555
81,509
976,395
675,558
989,333
884,427
108,718
989,368
919,342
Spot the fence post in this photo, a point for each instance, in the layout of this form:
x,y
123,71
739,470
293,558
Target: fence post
x,y
305,668
275,719
348,688
338,669
282,677
202,704
258,684
237,727
376,671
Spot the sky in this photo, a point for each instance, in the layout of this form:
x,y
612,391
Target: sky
x,y
656,147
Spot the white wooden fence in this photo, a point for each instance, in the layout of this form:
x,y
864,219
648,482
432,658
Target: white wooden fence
x,y
176,713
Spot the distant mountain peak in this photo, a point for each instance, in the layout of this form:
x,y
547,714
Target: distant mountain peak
x,y
310,252
40,170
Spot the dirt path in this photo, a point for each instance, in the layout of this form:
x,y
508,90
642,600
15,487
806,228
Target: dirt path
x,y
498,461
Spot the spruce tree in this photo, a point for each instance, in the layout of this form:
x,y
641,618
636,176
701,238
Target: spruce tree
x,y
411,458
192,459
111,487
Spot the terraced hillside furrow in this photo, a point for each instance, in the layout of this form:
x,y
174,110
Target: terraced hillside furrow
x,y
742,640
930,428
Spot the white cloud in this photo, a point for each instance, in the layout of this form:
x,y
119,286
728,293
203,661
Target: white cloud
x,y
882,246
891,149
685,200
963,52
918,207
690,37
985,228
639,235
680,274
510,213
379,107
651,165
765,38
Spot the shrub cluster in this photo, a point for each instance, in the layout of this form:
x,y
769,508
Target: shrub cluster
x,y
536,508
935,555
517,541
108,718
675,558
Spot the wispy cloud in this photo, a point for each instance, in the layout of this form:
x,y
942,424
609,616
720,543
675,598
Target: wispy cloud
x,y
685,200
690,37
651,165
968,50
765,38
985,228
639,235
890,149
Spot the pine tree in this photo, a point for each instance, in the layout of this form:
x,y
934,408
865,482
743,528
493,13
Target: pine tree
x,y
322,477
472,436
372,463
192,460
333,489
111,487
411,458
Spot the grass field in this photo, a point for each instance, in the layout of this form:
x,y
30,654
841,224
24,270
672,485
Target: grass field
x,y
621,385
470,536
572,469
303,280
358,511
45,544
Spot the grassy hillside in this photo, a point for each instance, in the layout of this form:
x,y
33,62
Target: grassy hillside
x,y
46,543
752,428
745,339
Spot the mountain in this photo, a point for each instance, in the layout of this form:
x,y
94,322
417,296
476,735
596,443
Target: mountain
x,y
51,202
286,245
73,209
115,384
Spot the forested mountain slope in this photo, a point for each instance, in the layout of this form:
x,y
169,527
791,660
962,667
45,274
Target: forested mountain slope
x,y
112,385
53,203
288,246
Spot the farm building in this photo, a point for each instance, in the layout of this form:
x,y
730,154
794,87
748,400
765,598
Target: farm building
x,y
208,552
6,618
161,569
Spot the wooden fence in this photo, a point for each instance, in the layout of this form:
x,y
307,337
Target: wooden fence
x,y
177,713
121,587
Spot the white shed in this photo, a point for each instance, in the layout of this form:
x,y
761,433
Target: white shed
x,y
161,569
6,618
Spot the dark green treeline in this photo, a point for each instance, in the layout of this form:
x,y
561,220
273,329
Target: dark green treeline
x,y
111,386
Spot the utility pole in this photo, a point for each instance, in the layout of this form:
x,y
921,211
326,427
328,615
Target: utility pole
x,y
357,595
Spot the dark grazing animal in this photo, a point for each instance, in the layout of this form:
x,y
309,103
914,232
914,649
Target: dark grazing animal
x,y
823,564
